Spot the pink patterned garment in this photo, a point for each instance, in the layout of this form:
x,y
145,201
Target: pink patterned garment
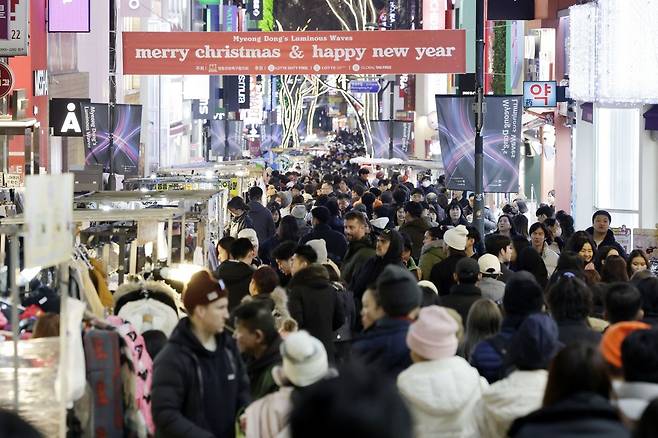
x,y
143,366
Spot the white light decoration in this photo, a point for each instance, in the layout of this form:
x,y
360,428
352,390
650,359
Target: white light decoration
x,y
627,61
613,52
582,52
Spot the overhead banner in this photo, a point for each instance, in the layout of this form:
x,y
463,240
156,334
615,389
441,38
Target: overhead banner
x,y
128,125
502,138
249,53
403,137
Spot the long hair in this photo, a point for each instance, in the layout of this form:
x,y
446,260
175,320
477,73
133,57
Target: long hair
x,y
614,269
483,321
288,229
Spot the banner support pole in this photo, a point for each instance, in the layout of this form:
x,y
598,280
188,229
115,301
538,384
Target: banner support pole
x,y
391,122
113,91
478,208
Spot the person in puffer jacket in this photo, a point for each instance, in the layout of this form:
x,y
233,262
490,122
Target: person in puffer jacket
x,y
532,349
441,389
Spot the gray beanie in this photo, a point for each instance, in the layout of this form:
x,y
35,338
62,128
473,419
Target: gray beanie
x,y
398,290
286,199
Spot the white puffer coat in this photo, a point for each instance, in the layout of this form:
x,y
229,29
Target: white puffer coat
x,y
508,399
443,395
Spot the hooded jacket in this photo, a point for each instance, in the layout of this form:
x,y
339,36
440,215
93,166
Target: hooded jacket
x,y
358,252
461,298
415,229
442,396
315,305
431,254
236,276
583,415
506,400
197,392
488,356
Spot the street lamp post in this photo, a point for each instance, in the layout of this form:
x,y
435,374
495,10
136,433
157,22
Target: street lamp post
x,y
480,109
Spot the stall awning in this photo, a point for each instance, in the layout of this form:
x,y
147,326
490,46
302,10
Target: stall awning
x,y
588,112
651,119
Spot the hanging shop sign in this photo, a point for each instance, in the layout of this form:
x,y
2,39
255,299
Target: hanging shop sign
x,y
69,16
255,9
511,10
224,53
40,83
48,219
502,138
6,80
135,8
539,94
365,87
243,91
14,32
65,117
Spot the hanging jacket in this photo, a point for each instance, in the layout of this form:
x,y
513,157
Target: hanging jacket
x,y
196,392
508,399
358,252
582,415
442,396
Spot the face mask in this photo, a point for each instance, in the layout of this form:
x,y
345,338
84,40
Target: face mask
x,y
426,183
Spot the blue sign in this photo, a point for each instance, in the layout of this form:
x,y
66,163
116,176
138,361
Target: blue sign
x,y
539,94
365,87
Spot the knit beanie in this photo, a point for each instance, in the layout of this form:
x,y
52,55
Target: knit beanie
x,y
523,295
304,359
320,248
613,338
298,211
398,290
286,198
456,238
433,335
249,233
201,290
535,343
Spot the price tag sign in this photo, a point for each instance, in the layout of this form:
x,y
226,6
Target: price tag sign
x,y
539,94
13,27
13,180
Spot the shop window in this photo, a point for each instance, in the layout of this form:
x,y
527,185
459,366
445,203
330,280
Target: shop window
x,y
617,163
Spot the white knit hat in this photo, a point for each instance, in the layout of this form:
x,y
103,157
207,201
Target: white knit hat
x,y
456,237
320,248
249,233
298,211
304,359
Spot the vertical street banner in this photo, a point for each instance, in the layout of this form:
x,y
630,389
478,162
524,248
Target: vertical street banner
x,y
403,136
502,138
230,93
124,155
244,83
255,9
219,136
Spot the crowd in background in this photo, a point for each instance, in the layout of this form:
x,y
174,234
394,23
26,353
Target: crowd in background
x,y
349,302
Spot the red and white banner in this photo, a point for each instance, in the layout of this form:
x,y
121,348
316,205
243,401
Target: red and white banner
x,y
286,53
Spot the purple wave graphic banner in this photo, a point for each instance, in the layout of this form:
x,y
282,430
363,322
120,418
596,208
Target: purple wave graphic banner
x,y
127,133
502,138
403,137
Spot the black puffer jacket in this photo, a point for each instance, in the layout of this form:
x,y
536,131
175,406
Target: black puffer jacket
x,y
582,415
609,241
314,304
196,392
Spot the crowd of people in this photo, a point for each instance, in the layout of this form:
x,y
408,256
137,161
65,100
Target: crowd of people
x,y
355,304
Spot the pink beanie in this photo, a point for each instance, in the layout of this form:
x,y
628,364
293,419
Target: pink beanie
x,y
434,334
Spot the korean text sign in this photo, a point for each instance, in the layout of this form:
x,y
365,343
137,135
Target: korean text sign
x,y
541,94
249,53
